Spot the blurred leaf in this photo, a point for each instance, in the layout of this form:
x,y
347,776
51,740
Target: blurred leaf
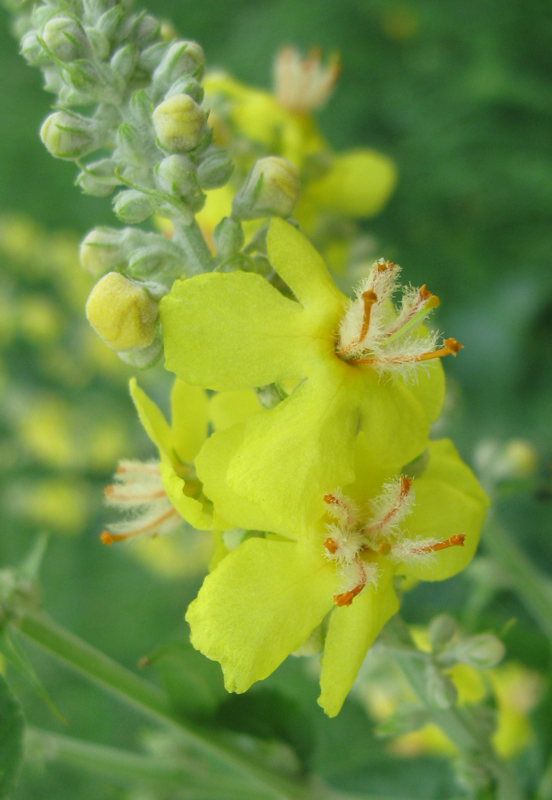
x,y
194,684
12,725
270,714
16,656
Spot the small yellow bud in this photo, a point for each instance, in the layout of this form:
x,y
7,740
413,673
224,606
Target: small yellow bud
x,y
121,313
271,189
179,123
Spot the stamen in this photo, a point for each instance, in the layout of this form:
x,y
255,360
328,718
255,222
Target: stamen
x,y
108,538
369,297
455,541
384,548
346,598
388,518
330,545
450,347
115,493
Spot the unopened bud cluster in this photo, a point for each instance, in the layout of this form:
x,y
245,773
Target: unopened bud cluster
x,y
145,91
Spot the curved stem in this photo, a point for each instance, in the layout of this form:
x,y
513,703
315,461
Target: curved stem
x,y
153,702
532,587
455,722
131,767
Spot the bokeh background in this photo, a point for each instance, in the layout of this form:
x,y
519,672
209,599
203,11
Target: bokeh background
x,y
460,96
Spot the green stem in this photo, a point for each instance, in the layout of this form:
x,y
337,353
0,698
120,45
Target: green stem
x,y
531,585
131,767
455,722
191,240
153,702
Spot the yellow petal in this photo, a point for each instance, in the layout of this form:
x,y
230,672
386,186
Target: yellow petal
x,y
190,509
230,408
359,184
303,269
352,630
259,605
189,418
232,331
155,424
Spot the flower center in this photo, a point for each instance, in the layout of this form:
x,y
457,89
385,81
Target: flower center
x,y
377,333
358,543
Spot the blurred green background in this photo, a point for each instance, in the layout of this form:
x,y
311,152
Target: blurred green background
x,y
460,96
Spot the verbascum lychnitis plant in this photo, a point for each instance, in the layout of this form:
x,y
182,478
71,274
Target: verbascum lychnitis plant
x,y
299,438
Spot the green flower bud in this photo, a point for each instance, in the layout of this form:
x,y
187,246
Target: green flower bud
x,y
151,57
68,135
101,251
189,86
146,30
132,206
66,39
441,631
215,169
271,189
124,61
179,123
483,651
98,179
228,237
182,58
99,43
122,313
108,23
31,50
176,175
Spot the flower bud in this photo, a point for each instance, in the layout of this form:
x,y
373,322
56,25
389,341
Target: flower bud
x,y
122,313
132,206
441,630
98,178
176,175
182,58
271,189
187,85
65,39
215,169
228,237
483,651
124,61
31,50
101,251
109,22
179,123
68,135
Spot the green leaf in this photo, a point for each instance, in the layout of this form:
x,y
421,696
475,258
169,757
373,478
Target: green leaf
x,y
12,725
194,684
271,715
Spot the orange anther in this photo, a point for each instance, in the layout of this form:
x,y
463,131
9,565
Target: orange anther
x,y
346,598
453,346
330,545
331,500
406,483
384,548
